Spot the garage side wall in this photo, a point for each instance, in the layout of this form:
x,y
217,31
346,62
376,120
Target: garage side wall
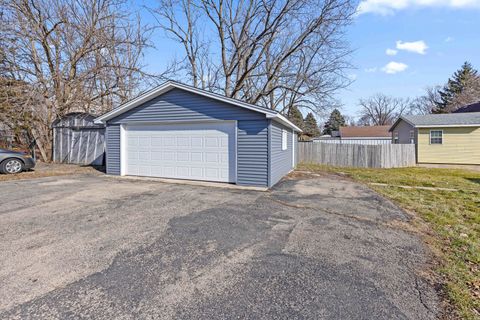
x,y
112,149
252,153
281,160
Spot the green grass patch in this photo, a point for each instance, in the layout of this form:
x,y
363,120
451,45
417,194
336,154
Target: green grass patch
x,y
453,218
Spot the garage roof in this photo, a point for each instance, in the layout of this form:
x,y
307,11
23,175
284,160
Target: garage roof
x,y
169,85
470,119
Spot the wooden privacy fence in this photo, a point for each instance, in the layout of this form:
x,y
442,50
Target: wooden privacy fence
x,y
77,140
358,155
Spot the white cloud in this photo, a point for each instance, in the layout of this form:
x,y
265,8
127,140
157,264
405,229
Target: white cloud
x,y
391,52
419,47
449,39
394,67
374,69
388,7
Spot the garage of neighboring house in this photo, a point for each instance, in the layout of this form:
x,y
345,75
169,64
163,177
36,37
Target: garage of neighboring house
x,y
181,132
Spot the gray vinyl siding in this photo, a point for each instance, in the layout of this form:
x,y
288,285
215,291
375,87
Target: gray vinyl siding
x,y
281,160
113,149
252,152
403,129
180,105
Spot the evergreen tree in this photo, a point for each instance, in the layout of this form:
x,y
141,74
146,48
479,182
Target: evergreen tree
x,y
334,122
311,127
296,117
454,87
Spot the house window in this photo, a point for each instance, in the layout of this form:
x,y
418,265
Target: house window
x,y
436,136
412,136
284,139
395,137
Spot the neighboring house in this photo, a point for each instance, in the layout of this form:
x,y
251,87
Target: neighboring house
x,y
452,138
360,135
178,131
474,107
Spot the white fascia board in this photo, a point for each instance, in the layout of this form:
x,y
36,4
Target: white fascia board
x,y
448,125
169,85
280,118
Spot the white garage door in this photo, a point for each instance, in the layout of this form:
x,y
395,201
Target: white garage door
x,y
194,151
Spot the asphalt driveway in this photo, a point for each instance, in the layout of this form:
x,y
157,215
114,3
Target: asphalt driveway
x,y
318,247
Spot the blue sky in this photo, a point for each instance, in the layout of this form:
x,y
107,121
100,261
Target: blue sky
x,y
430,39
451,35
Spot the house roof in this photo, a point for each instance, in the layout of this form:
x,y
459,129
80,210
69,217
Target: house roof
x,y
474,107
365,131
169,85
471,119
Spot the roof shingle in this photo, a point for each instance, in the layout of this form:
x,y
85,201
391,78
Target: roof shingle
x,y
447,119
366,131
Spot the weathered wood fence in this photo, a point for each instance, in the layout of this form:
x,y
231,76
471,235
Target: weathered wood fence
x,y
358,155
77,140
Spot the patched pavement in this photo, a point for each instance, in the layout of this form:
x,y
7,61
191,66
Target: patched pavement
x,y
317,247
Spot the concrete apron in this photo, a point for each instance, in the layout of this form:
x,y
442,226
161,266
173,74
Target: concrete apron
x,y
191,182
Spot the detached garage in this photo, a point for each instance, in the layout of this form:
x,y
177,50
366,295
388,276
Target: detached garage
x,y
181,132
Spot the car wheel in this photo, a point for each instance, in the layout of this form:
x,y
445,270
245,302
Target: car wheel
x,y
10,166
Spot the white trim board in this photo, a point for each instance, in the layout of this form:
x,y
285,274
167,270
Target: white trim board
x,y
123,150
447,126
169,85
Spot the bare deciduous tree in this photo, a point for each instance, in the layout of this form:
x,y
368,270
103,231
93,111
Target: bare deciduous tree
x,y
380,109
426,103
273,53
75,55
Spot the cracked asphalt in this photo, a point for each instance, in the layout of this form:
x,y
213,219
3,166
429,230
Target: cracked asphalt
x,y
316,247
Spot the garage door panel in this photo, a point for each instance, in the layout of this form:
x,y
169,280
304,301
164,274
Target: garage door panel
x,y
191,151
212,142
143,156
156,155
132,141
183,172
211,157
169,141
197,156
156,142
224,174
144,170
144,141
196,172
156,170
169,155
197,142
183,156
183,141
212,173
132,156
224,158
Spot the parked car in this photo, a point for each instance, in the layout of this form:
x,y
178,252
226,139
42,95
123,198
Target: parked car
x,y
15,161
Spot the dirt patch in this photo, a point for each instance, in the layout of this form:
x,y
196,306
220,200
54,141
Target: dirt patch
x,y
51,169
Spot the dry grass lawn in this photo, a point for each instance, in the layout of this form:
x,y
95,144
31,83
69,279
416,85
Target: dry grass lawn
x,y
452,219
48,170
